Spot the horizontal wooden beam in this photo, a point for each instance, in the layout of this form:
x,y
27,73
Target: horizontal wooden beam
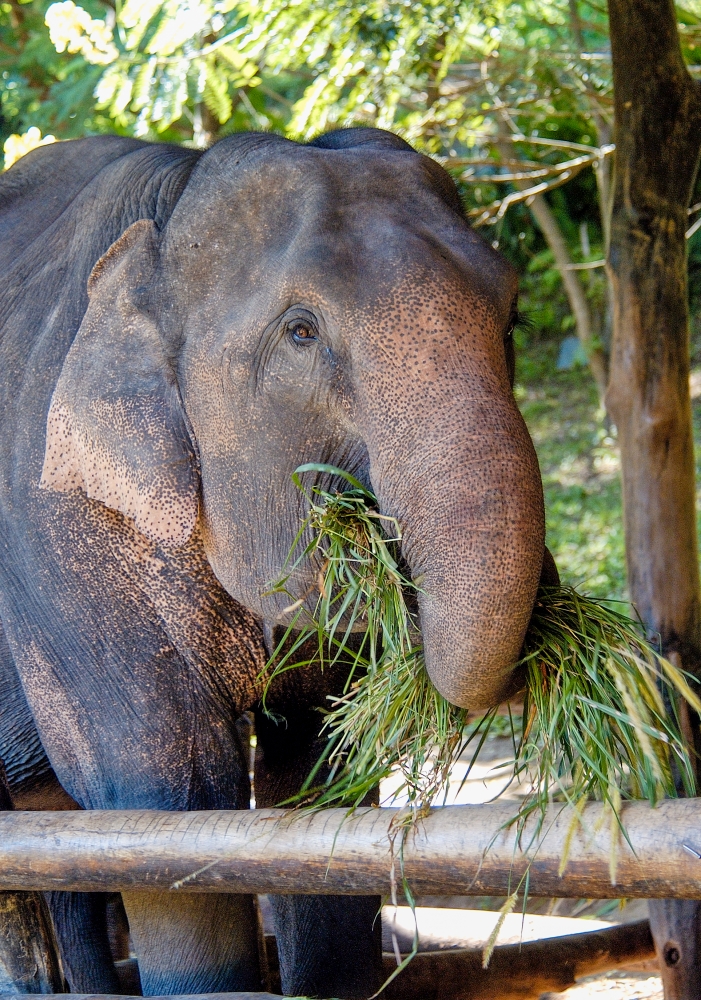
x,y
457,850
520,971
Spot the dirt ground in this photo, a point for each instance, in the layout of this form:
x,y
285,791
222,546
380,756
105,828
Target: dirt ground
x,y
618,985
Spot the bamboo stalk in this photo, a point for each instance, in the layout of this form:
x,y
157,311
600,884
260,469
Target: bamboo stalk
x,y
273,850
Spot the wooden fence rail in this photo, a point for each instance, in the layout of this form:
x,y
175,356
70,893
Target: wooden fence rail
x,y
455,850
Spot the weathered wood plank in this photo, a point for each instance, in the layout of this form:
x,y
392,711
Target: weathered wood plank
x,y
516,972
276,851
28,954
29,961
520,972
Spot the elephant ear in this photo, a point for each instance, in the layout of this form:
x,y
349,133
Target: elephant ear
x,y
116,427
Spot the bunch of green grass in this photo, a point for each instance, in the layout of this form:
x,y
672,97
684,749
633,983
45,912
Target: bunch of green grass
x,y
600,716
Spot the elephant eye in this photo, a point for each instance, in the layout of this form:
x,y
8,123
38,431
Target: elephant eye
x,y
302,333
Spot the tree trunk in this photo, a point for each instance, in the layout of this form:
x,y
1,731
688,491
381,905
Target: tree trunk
x,y
657,136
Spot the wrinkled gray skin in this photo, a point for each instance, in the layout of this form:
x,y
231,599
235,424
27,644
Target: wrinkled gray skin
x,y
251,308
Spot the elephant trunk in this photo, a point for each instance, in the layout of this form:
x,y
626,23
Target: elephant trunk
x,y
470,505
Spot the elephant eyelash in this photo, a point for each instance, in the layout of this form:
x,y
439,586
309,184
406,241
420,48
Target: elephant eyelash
x,y
521,321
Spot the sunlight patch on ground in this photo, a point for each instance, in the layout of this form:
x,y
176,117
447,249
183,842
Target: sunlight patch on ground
x,y
613,986
443,928
490,776
484,782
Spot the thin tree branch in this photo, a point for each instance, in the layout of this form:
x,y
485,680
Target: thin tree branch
x,y
565,172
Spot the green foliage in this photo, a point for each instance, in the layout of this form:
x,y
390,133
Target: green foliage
x,y
444,73
580,468
389,714
419,67
454,77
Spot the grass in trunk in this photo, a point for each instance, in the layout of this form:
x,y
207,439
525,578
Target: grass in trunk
x,y
599,717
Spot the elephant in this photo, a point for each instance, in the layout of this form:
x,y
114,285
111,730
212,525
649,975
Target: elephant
x,y
181,330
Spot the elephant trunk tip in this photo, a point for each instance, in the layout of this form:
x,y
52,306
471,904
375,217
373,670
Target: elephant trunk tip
x,y
471,656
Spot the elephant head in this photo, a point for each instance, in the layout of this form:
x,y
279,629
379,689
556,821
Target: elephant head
x,y
315,303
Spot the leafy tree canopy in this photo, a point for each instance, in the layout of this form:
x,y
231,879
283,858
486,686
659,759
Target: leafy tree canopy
x,y
511,97
450,75
180,68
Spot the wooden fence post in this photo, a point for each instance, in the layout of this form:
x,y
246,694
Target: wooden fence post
x,y
28,955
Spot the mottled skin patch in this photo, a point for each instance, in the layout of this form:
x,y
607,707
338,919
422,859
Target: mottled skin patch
x,y
473,477
255,307
125,441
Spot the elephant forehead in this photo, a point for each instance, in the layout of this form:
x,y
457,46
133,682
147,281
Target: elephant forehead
x,y
298,177
289,204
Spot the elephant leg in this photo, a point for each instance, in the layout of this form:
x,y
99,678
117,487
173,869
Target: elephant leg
x,y
157,738
676,931
213,936
329,946
80,922
117,927
28,955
